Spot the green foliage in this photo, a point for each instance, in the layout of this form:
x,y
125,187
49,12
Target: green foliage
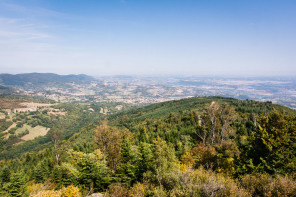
x,y
85,147
92,170
5,175
41,171
65,174
191,147
4,124
17,186
127,170
41,119
12,130
145,159
68,125
163,162
21,134
228,152
275,143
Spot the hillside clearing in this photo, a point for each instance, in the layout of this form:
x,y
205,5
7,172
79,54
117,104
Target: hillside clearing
x,y
33,132
2,115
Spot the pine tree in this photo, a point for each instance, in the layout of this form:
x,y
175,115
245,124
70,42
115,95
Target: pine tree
x,y
164,161
93,173
41,171
145,159
5,175
128,166
18,184
275,143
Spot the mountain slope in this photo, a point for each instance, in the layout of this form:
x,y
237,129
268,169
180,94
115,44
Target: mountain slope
x,y
189,145
159,110
41,79
6,90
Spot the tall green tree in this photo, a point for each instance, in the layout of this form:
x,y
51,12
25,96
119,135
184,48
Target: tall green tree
x,y
41,171
18,184
92,170
145,159
65,175
163,162
127,170
275,143
5,175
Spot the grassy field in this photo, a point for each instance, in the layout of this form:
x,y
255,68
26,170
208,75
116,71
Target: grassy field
x,y
35,105
2,115
33,132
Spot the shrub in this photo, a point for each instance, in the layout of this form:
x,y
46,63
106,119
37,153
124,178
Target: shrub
x,y
47,193
204,156
265,185
138,190
70,191
206,183
12,130
117,190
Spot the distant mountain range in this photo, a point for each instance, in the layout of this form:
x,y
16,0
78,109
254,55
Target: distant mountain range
x,y
6,90
42,79
149,89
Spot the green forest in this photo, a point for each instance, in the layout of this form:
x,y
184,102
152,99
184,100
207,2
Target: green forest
x,y
201,146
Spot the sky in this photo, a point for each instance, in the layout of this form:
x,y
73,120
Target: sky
x,y
148,37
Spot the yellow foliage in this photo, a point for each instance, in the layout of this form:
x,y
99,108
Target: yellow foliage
x,y
47,193
138,190
187,159
2,162
70,191
99,155
35,188
183,168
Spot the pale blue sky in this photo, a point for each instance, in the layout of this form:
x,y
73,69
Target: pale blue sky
x,y
179,37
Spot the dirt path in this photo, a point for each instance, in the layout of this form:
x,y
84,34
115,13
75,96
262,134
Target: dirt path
x,y
13,125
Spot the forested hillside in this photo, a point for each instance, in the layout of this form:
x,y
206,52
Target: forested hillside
x,y
42,79
204,146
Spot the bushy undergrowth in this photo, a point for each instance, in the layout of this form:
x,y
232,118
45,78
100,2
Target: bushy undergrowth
x,y
266,185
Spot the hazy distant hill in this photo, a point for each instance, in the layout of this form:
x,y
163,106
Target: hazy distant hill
x,y
41,79
6,90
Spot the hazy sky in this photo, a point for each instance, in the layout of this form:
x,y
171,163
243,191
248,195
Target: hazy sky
x,y
185,37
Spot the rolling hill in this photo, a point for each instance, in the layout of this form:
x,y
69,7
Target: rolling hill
x,y
189,147
42,79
